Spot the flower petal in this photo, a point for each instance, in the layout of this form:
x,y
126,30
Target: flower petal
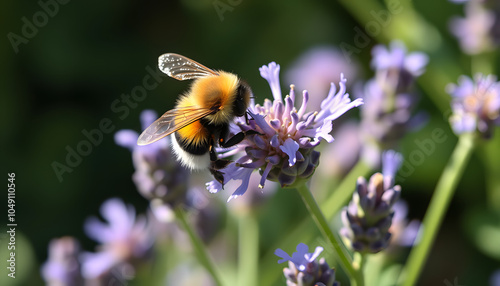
x,y
290,147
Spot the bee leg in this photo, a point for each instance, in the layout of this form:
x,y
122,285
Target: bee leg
x,y
237,138
247,120
218,176
216,165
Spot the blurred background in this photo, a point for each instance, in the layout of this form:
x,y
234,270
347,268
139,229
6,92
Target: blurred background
x,y
79,66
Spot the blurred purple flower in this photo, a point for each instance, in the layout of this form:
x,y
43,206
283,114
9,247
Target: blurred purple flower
x,y
495,278
316,69
158,176
404,233
395,68
303,268
124,239
62,266
396,58
474,32
369,215
283,150
475,104
387,113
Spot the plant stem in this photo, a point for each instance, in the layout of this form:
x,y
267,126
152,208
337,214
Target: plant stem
x,y
248,249
345,259
198,246
338,196
437,207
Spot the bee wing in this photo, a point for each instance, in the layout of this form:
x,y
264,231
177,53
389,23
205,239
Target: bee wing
x,y
182,68
170,122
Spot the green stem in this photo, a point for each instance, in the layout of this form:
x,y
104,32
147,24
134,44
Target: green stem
x,y
198,246
248,249
345,259
437,207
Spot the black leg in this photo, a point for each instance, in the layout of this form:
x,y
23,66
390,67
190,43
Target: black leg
x,y
216,165
237,138
218,176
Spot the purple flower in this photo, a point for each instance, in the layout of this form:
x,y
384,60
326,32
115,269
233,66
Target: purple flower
x,y
124,239
62,266
283,150
158,176
396,58
389,103
476,32
395,68
369,215
303,268
475,104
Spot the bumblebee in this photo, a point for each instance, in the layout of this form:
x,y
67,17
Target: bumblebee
x,y
201,117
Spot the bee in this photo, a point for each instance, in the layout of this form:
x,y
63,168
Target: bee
x,y
201,117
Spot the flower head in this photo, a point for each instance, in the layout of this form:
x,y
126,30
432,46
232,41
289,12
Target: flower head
x,y
63,267
389,103
369,215
477,31
303,268
395,68
158,176
283,148
122,240
475,104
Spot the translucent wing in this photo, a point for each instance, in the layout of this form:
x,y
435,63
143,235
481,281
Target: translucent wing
x,y
170,122
182,68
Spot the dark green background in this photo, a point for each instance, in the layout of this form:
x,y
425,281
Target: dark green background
x,y
91,52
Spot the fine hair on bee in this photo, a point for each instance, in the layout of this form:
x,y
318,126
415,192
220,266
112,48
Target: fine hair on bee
x,y
201,117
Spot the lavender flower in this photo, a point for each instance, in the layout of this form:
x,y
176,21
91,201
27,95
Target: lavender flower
x,y
158,176
369,215
303,268
387,114
125,239
477,32
475,104
62,267
395,68
283,151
